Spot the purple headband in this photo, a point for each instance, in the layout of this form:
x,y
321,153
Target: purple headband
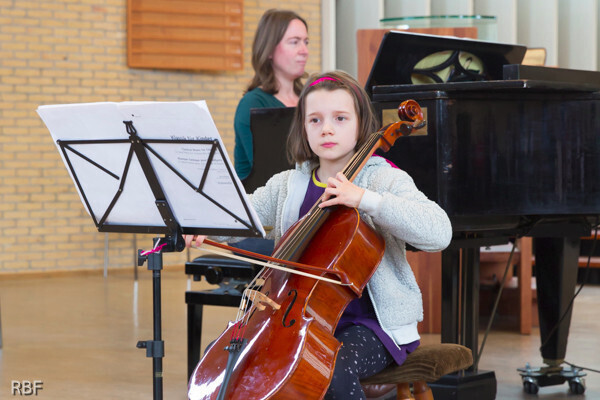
x,y
330,78
325,78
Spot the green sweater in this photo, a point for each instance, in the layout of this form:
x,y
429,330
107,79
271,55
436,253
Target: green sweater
x,y
243,152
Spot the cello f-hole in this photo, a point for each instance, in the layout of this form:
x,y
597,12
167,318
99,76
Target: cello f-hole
x,y
287,311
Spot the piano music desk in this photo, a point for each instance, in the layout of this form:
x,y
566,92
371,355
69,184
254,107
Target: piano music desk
x,y
368,40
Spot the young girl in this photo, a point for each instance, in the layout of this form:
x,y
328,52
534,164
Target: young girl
x,y
333,119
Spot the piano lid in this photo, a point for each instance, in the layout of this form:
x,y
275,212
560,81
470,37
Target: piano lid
x,y
410,58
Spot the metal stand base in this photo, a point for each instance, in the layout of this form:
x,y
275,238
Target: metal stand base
x,y
155,348
467,385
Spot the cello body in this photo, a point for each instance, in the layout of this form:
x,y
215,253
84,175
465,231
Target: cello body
x,y
290,353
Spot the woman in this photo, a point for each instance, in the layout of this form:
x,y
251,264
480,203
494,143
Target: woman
x,y
279,55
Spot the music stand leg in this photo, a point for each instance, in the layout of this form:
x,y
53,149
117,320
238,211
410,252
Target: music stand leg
x,y
155,348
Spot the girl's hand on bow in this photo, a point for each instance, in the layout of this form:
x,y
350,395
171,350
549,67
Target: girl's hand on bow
x,y
194,240
341,191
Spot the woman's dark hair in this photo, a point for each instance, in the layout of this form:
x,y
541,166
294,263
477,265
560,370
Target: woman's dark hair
x,y
297,146
271,29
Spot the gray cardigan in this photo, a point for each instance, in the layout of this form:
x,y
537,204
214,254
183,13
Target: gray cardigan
x,y
394,206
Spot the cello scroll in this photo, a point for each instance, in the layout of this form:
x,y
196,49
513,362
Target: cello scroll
x,y
411,119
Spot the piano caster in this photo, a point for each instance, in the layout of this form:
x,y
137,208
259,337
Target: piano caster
x,y
577,385
533,378
530,385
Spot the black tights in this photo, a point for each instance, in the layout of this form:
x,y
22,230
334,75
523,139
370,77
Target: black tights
x,y
361,355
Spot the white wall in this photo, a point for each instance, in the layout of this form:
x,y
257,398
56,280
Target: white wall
x,y
568,29
352,15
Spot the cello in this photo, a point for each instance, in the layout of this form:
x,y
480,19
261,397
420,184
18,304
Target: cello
x,y
282,344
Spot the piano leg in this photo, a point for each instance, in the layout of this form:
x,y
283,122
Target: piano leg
x,y
470,300
460,310
450,298
460,323
556,278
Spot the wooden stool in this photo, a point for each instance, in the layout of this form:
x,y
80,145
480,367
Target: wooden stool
x,y
427,363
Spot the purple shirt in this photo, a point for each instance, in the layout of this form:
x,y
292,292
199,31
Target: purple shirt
x,y
360,311
314,191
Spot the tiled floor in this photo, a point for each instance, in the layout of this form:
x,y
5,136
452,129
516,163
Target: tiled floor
x,y
78,334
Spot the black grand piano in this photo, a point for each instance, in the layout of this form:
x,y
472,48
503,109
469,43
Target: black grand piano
x,y
509,151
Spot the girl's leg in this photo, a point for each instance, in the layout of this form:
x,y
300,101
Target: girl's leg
x,y
361,355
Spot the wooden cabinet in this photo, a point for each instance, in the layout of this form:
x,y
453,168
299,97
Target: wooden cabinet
x,y
427,268
518,303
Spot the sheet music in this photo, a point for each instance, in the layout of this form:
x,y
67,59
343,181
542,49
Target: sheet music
x,y
173,121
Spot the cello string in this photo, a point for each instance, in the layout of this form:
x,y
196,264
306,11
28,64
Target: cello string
x,y
294,240
252,298
361,155
244,303
316,213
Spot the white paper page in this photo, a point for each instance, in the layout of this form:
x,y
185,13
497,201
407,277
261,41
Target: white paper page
x,y
174,121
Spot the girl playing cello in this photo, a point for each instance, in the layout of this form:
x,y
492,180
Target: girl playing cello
x,y
333,119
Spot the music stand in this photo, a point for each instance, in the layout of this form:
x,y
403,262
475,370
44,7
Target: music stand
x,y
171,177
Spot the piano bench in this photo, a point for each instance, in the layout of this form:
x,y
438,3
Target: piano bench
x,y
216,269
428,363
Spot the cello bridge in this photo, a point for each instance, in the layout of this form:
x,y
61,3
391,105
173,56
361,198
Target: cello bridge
x,y
260,300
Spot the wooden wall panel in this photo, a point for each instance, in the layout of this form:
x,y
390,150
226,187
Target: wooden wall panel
x,y
185,34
